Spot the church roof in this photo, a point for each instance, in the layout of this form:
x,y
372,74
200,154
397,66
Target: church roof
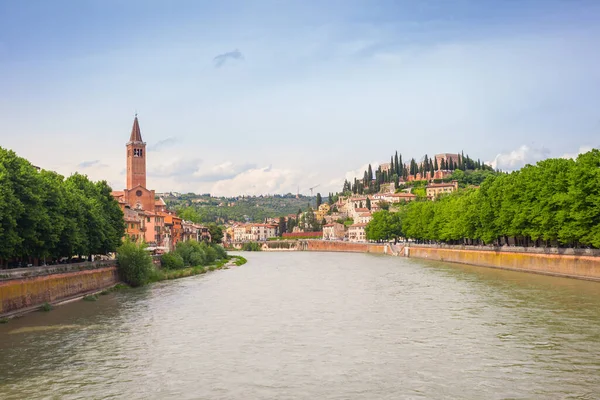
x,y
136,135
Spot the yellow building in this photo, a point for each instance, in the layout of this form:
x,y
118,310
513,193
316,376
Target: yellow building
x,y
435,189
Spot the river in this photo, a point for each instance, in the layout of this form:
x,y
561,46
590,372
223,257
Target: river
x,y
302,325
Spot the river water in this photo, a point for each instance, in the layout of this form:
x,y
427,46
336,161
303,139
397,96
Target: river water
x,y
302,325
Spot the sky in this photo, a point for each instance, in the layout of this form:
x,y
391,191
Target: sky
x,y
265,97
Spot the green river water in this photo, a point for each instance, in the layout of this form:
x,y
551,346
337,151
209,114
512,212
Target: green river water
x,y
301,325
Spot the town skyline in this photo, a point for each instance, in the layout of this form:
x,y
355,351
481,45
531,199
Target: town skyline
x,y
275,98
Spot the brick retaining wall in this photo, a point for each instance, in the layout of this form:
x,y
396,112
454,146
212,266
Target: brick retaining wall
x,y
18,294
581,267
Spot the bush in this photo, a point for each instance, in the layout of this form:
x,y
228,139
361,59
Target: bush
x,y
134,263
172,260
46,307
198,258
251,246
211,253
221,253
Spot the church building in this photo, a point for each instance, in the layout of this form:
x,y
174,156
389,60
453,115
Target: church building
x,y
136,195
146,217
144,214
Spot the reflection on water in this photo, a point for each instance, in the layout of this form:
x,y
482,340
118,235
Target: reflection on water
x,y
316,326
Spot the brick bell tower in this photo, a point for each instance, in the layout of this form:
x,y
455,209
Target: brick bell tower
x,y
136,158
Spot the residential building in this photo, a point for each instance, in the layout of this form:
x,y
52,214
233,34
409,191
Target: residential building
x,y
253,232
322,211
435,189
334,231
356,233
364,218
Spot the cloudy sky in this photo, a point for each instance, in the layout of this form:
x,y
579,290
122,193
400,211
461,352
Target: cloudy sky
x,y
250,97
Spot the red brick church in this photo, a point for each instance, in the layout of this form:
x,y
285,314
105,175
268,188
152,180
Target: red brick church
x,y
136,196
146,217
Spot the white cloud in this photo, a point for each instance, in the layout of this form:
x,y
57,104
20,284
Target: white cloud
x,y
517,158
226,170
582,149
267,180
359,172
180,168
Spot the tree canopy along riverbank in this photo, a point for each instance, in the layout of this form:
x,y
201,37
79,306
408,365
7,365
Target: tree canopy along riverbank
x,y
44,215
555,202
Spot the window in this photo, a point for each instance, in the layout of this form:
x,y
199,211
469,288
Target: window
x,y
137,152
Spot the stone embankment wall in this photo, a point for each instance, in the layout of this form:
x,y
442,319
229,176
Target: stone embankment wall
x,y
325,245
573,266
21,294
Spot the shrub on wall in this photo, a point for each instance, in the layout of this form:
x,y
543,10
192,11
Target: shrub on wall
x,y
134,263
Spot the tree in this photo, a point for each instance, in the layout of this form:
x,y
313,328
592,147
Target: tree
x,y
384,226
216,233
368,203
134,263
282,226
319,200
189,214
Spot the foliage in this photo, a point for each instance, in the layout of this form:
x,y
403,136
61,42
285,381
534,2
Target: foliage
x,y
239,260
555,202
384,226
44,215
193,254
189,214
251,246
134,263
171,260
373,180
91,297
216,233
242,208
46,307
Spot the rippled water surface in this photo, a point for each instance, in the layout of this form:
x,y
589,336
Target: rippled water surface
x,y
316,326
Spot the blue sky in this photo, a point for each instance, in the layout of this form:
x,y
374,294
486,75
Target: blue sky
x,y
262,97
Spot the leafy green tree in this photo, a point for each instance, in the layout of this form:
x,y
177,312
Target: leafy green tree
x,y
189,214
216,233
134,263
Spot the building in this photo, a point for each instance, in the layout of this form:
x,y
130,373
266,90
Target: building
x,y
363,218
446,157
253,232
136,198
334,231
435,189
357,212
356,233
322,211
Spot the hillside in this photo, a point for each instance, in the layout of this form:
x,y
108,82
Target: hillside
x,y
242,209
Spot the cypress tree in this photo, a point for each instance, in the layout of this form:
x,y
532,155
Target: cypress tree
x,y
435,165
399,166
396,163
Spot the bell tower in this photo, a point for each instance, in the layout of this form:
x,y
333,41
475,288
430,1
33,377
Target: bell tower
x,y
136,158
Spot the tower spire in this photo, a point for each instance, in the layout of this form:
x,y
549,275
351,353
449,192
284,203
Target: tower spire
x,y
136,135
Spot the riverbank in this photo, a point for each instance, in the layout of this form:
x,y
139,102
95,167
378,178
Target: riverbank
x,y
168,274
569,263
26,294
